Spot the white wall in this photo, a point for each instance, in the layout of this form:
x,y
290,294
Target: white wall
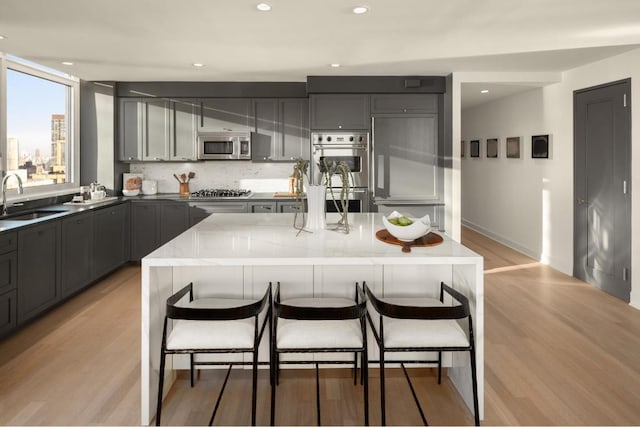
x,y
502,197
529,203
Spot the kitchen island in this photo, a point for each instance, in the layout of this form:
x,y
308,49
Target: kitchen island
x,y
237,255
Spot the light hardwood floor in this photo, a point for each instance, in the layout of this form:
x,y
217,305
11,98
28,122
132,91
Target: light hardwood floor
x,y
557,352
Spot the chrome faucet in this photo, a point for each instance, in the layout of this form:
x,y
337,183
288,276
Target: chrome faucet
x,y
4,190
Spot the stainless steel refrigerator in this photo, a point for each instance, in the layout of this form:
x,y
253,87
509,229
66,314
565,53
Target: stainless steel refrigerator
x,y
407,165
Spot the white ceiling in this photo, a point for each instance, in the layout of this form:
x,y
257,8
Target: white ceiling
x,y
159,40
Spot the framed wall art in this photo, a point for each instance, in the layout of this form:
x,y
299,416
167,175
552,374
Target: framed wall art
x,y
540,146
492,148
513,147
474,148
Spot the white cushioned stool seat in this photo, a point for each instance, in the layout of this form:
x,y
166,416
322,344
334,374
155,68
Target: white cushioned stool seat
x,y
308,334
421,333
212,334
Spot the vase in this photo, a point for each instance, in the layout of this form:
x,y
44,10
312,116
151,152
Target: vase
x,y
316,198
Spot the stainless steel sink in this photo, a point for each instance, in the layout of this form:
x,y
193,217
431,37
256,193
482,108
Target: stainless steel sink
x,y
29,216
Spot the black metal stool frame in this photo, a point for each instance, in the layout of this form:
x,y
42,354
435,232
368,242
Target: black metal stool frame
x,y
232,313
423,313
356,311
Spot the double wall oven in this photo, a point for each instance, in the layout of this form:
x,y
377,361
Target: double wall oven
x,y
351,148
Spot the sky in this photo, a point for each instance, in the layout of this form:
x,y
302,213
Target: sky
x,y
30,103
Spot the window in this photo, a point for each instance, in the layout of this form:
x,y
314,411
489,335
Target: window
x,y
40,144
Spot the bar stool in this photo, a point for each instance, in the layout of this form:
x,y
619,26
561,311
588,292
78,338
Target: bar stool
x,y
319,325
422,324
214,326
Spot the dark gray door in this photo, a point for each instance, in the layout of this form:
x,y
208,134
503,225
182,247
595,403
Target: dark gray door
x,y
602,170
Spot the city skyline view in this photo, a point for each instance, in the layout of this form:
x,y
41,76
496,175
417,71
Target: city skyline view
x,y
33,101
36,128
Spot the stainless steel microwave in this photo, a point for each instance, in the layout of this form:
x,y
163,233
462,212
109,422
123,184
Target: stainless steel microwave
x,y
224,146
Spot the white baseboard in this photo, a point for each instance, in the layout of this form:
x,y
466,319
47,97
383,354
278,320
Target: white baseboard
x,y
502,240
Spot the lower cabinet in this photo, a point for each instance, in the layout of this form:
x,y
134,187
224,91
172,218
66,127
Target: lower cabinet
x,y
155,223
261,207
288,207
8,318
38,269
174,219
76,252
145,223
110,239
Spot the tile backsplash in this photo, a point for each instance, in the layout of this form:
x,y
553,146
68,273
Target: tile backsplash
x,y
257,177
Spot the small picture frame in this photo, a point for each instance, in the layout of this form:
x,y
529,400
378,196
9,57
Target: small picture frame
x,y
492,148
474,148
513,147
462,148
540,146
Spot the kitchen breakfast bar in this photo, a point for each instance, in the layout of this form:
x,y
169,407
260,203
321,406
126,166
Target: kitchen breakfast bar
x,y
237,255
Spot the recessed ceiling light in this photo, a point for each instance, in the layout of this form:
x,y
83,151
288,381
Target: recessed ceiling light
x,y
263,7
2,37
335,65
359,10
484,91
67,63
198,65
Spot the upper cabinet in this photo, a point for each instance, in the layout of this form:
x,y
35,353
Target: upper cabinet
x,y
131,129
404,103
339,112
158,129
225,114
281,130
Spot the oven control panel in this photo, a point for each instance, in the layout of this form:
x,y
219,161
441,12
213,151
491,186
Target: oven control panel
x,y
340,138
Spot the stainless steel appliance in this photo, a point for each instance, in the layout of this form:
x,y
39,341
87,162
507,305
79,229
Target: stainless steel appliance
x,y
349,147
220,193
358,201
407,170
224,145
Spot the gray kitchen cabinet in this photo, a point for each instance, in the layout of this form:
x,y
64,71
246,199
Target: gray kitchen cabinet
x,y
202,209
8,282
174,219
261,207
155,223
131,126
110,239
281,130
76,252
339,112
38,269
225,114
8,318
158,129
8,261
145,223
288,206
184,130
404,103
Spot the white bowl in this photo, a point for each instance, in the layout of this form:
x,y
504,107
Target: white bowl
x,y
407,233
130,192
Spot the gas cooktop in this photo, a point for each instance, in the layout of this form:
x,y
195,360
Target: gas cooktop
x,y
221,193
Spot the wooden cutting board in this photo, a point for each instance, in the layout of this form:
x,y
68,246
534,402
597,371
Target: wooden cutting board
x,y
430,239
284,195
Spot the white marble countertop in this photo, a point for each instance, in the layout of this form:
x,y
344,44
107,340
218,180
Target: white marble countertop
x,y
265,239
